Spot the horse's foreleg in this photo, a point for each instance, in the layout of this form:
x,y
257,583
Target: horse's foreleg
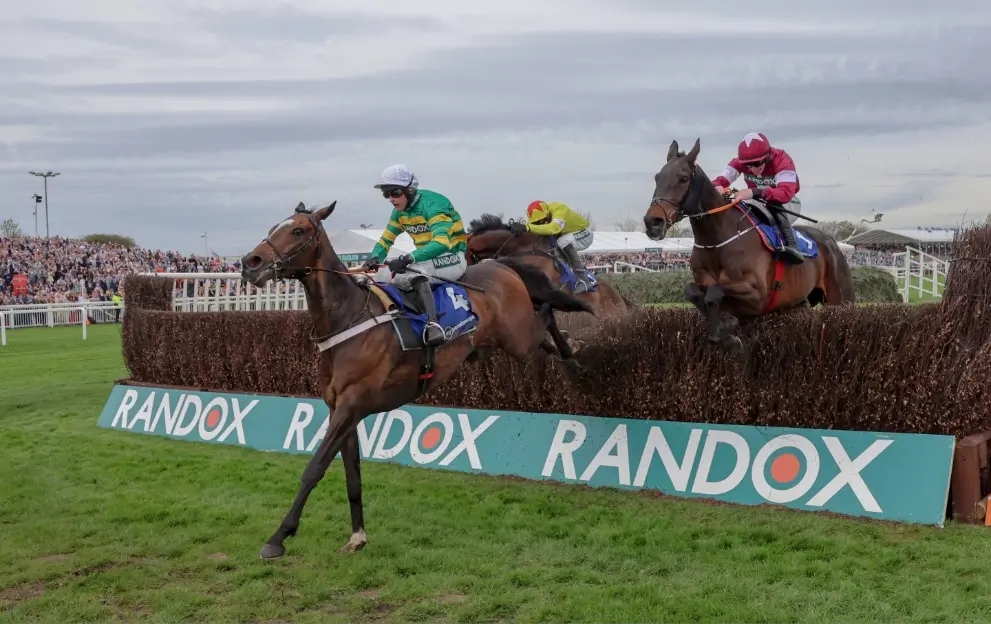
x,y
339,427
351,456
709,302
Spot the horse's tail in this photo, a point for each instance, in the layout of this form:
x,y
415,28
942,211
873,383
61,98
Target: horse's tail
x,y
542,291
839,278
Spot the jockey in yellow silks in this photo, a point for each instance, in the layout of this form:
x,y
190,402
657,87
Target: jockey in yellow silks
x,y
572,230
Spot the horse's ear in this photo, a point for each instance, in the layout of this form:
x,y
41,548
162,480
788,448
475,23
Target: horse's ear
x,y
300,207
323,213
694,154
673,150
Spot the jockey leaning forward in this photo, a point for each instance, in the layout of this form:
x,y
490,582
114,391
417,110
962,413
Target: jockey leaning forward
x,y
772,180
574,235
437,232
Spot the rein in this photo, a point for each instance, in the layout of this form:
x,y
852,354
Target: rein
x,y
694,197
283,270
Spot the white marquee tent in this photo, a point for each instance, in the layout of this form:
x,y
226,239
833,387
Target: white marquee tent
x,y
362,242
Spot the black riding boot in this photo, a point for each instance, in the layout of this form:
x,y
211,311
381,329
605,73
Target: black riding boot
x,y
576,265
433,333
789,248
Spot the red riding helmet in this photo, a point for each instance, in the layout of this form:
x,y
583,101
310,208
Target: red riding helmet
x,y
753,148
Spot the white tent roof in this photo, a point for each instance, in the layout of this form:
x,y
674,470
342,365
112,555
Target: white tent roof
x,y
603,242
362,242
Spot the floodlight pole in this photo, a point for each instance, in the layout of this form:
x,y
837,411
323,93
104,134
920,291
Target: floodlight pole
x,y
45,176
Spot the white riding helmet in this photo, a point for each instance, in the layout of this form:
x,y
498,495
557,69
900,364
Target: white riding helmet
x,y
398,175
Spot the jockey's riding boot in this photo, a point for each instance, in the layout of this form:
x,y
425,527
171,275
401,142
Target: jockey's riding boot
x,y
581,285
433,333
789,248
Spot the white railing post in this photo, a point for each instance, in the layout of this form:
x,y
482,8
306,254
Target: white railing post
x,y
83,312
908,274
3,329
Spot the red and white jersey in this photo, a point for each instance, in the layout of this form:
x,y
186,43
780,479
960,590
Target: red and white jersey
x,y
778,181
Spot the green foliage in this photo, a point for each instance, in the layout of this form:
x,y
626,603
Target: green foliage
x,y
873,286
110,239
10,229
644,287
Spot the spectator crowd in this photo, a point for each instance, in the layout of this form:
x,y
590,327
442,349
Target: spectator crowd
x,y
66,270
63,270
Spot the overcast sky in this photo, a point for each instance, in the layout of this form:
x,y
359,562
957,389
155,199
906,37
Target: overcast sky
x,y
168,118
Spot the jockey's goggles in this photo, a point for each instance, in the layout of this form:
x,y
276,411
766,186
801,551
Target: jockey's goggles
x,y
392,191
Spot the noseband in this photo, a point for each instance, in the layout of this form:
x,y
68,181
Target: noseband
x,y
282,263
692,200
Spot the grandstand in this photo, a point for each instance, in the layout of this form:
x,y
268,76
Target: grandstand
x,y
52,282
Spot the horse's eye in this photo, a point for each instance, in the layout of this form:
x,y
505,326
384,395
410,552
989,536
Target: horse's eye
x,y
683,179
297,232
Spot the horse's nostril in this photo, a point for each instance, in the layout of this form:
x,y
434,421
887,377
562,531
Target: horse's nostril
x,y
253,261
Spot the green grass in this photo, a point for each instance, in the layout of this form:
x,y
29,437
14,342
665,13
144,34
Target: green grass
x,y
916,282
100,525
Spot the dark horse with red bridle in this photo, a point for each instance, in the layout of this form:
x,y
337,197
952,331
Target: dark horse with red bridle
x,y
363,368
735,273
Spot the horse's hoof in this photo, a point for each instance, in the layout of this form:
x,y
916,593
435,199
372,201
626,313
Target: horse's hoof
x,y
734,345
356,543
272,551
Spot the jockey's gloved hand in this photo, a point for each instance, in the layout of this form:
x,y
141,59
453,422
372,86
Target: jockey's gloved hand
x,y
517,228
372,264
398,265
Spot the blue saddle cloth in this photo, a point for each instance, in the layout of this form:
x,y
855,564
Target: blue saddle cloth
x,y
454,311
568,276
772,239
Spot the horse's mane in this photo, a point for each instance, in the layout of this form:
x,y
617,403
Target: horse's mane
x,y
487,223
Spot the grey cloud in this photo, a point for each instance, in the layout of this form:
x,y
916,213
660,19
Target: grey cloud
x,y
679,87
136,37
289,23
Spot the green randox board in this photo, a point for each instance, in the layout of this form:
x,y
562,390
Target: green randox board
x,y
900,477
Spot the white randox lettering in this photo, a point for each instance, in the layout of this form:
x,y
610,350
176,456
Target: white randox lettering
x,y
469,438
126,403
237,425
715,437
206,433
145,412
182,430
614,453
367,440
562,450
395,416
171,416
798,490
620,460
425,457
678,474
850,474
297,427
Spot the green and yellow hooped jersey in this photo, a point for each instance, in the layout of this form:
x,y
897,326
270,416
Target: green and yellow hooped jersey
x,y
433,224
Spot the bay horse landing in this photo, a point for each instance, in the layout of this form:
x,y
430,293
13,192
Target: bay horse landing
x,y
366,366
735,274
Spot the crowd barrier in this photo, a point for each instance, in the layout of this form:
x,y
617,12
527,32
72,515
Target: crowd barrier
x,y
914,375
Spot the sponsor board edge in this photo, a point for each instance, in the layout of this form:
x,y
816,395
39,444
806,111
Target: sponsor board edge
x,y
886,476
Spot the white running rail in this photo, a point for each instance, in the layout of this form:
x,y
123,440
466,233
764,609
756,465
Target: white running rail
x,y
222,292
915,270
56,315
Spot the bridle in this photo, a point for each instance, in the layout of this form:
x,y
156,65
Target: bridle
x,y
692,198
283,261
